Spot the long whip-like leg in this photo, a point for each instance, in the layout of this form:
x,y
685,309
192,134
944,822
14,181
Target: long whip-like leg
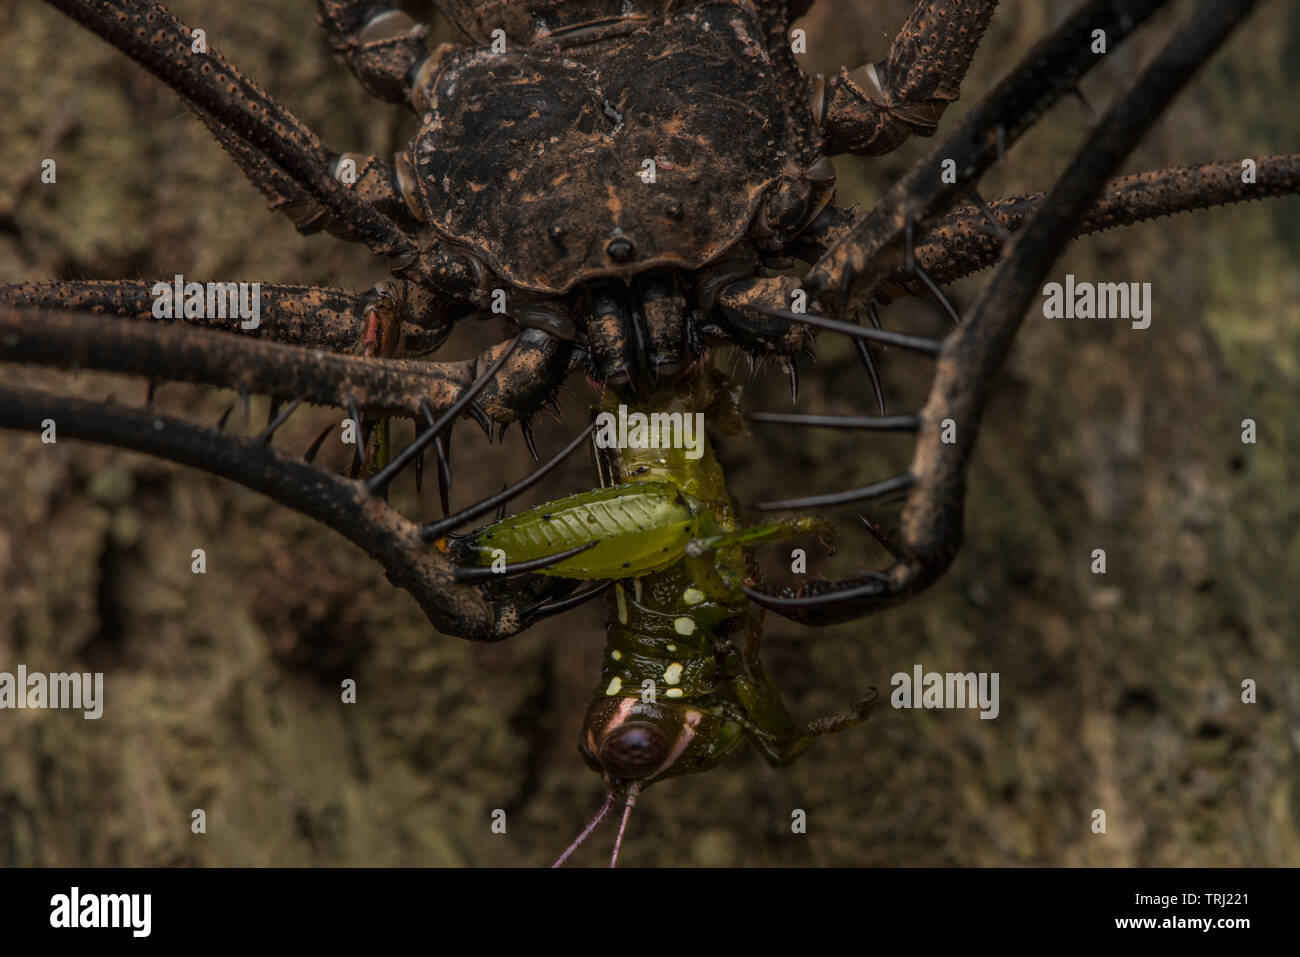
x,y
932,518
296,315
961,243
160,43
237,108
345,505
229,360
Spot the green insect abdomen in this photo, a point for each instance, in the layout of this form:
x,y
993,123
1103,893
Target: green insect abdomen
x,y
637,528
664,631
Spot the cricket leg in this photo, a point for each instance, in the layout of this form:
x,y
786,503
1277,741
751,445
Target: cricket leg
x,y
770,726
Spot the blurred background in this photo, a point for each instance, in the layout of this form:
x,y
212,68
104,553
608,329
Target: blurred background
x,y
1119,692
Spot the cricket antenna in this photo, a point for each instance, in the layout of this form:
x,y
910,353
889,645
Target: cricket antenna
x,y
586,831
627,812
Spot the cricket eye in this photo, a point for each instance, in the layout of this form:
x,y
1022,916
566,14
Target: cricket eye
x,y
633,751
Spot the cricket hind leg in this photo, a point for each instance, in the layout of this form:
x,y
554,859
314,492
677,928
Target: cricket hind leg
x,y
770,726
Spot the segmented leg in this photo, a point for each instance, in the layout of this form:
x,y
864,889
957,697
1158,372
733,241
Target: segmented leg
x,y
932,518
301,315
769,725
160,43
383,46
874,109
874,246
776,17
350,507
962,243
228,360
283,194
272,143
745,323
341,504
234,360
377,183
830,226
293,315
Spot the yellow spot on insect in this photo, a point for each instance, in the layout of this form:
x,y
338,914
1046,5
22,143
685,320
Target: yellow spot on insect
x,y
684,626
671,648
673,673
615,686
620,600
692,596
673,693
616,655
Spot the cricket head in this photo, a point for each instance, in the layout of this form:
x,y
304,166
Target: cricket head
x,y
632,742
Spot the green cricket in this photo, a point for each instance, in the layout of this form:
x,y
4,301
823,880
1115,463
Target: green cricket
x,y
682,684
